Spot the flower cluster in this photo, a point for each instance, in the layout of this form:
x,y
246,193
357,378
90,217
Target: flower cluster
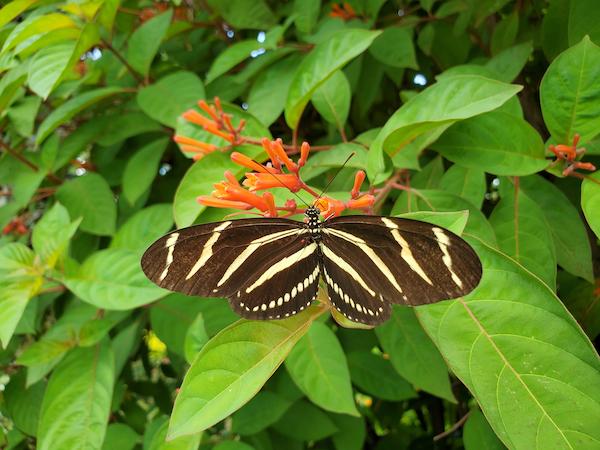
x,y
217,123
279,172
569,154
16,226
344,12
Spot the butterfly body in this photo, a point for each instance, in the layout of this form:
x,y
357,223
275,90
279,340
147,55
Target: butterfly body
x,y
270,268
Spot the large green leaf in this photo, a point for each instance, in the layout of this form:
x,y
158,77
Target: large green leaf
x,y
395,48
318,365
533,371
305,422
466,183
495,142
231,57
24,403
430,112
171,96
522,233
263,410
570,93
320,64
71,107
77,401
332,99
12,9
51,235
412,353
306,14
143,44
142,168
144,227
158,440
478,435
113,279
89,197
232,367
590,201
36,25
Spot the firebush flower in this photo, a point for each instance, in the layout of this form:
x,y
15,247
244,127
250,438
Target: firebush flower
x,y
279,172
569,154
344,12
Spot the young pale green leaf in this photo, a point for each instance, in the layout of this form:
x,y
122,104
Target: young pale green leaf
x,y
171,96
76,405
145,41
495,142
12,9
306,14
590,201
72,107
376,376
332,99
570,93
533,371
34,26
195,338
262,411
305,422
455,221
523,233
144,227
23,403
412,353
318,365
320,64
90,198
120,436
113,279
232,367
509,63
466,183
430,112
478,435
436,200
23,114
51,235
395,48
94,330
10,84
142,168
158,440
50,64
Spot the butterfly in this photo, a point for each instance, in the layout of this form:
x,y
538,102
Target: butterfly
x,y
270,268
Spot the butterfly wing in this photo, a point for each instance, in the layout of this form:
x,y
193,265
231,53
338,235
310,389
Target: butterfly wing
x,y
250,261
400,260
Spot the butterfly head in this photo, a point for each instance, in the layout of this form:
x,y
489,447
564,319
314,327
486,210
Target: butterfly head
x,y
311,217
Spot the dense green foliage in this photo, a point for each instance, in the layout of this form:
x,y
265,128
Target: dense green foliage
x,y
464,113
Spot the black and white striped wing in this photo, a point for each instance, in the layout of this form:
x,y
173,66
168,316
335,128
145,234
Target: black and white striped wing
x,y
268,268
376,261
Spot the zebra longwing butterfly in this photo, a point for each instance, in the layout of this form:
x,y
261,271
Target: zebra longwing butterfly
x,y
270,268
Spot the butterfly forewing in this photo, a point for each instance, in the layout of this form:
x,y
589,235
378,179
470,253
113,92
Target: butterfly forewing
x,y
403,261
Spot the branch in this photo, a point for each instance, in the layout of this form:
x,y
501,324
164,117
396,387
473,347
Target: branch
x,y
452,429
123,61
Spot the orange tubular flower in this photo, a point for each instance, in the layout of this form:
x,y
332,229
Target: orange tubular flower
x,y
243,160
330,207
259,181
304,151
280,153
358,181
207,200
226,191
191,115
364,202
271,202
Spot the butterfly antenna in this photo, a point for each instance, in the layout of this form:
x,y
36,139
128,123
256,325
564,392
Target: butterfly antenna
x,y
335,175
285,185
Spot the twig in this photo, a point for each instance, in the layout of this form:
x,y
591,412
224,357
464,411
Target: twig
x,y
452,429
123,60
20,157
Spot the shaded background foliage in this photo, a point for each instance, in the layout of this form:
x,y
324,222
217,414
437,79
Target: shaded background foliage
x,y
452,108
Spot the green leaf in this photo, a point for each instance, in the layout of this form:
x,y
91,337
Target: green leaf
x,y
34,26
89,197
23,403
231,368
143,228
466,183
505,33
195,338
51,64
555,28
318,365
305,422
495,142
352,432
142,168
573,251
51,235
583,20
242,14
412,353
126,125
159,440
77,400
306,14
507,64
320,64
478,435
23,115
590,201
231,57
171,96
72,107
332,99
12,9
145,41
394,47
262,411
570,93
529,365
120,436
429,113
113,279
522,233
376,376
233,445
